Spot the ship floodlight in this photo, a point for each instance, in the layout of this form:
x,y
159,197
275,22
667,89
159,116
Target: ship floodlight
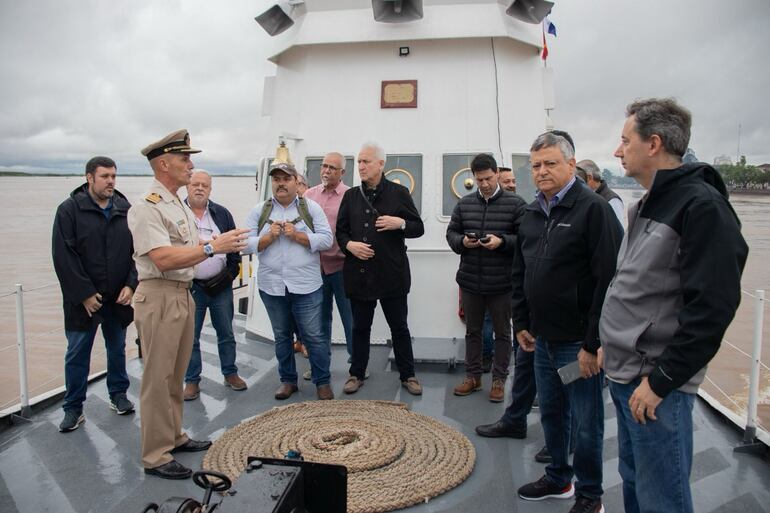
x,y
529,11
275,20
397,11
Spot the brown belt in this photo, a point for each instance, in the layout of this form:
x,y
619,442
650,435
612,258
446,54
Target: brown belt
x,y
169,283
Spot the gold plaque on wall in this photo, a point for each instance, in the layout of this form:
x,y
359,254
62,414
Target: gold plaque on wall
x,y
398,94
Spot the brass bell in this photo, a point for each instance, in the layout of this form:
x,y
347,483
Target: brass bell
x,y
282,154
468,183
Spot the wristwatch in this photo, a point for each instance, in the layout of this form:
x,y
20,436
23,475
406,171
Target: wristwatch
x,y
208,249
403,225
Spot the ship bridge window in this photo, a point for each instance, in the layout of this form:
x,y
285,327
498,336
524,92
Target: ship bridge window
x,y
522,170
407,171
458,179
313,170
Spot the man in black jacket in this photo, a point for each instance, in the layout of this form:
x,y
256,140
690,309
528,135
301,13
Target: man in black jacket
x,y
482,231
212,288
675,293
567,245
373,221
92,256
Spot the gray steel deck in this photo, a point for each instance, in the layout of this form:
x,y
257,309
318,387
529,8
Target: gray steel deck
x,y
97,468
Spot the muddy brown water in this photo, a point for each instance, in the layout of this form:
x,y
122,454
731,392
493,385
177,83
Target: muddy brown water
x,y
29,204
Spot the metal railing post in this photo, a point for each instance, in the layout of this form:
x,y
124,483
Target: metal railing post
x,y
22,349
750,443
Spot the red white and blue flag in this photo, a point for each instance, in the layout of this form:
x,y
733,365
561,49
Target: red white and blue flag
x,y
550,28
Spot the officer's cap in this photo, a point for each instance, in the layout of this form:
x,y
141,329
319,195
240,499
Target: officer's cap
x,y
175,142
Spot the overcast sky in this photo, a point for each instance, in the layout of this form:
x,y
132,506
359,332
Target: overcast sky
x,y
83,77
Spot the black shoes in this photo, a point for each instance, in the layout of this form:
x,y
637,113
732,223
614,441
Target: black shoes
x,y
171,470
192,446
544,488
500,429
72,419
121,404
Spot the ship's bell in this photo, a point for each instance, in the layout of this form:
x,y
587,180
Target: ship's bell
x,y
282,155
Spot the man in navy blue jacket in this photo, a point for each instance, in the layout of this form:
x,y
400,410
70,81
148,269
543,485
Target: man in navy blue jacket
x,y
567,245
92,255
212,287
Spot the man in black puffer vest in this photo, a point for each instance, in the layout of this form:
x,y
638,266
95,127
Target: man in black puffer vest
x,y
483,232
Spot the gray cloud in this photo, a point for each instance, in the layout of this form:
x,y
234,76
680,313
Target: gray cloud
x,y
88,76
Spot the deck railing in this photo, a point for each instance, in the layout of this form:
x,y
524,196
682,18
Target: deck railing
x,y
754,431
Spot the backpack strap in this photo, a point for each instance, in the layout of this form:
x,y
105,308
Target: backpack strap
x,y
304,214
264,216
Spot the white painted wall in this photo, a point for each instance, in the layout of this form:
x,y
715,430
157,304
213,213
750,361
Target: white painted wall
x,y
329,96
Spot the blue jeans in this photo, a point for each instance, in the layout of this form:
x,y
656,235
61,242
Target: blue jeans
x,y
77,360
334,286
523,390
305,309
656,457
576,406
221,309
488,336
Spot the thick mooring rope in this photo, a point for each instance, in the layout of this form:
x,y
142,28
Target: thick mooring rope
x,y
395,458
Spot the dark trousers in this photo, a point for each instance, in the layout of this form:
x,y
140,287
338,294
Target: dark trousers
x,y
395,310
523,390
499,307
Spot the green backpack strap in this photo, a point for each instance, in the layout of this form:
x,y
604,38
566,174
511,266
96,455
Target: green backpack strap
x,y
304,214
264,216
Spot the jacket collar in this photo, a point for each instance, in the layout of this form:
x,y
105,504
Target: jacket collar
x,y
84,201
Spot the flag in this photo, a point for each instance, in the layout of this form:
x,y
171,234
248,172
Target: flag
x,y
549,27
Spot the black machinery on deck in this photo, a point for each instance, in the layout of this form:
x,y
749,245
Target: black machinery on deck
x,y
267,486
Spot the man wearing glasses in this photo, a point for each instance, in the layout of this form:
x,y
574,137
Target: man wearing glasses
x,y
212,287
329,194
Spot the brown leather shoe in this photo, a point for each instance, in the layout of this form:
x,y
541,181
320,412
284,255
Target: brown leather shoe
x,y
497,394
285,390
235,382
469,385
297,346
412,386
325,392
191,391
352,385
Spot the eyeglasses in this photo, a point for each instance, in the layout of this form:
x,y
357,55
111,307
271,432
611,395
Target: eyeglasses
x,y
330,167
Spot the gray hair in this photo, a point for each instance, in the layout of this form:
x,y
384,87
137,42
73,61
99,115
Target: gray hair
x,y
197,170
339,156
550,139
379,152
590,167
666,119
301,178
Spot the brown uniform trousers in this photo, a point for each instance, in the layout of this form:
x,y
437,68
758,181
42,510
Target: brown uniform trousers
x,y
164,317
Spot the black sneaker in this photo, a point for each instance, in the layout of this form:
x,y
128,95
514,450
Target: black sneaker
x,y
72,419
585,505
544,488
121,404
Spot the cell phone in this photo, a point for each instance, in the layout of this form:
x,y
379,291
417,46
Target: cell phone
x,y
570,372
471,235
484,239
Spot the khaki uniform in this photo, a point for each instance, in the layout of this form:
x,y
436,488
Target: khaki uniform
x,y
164,317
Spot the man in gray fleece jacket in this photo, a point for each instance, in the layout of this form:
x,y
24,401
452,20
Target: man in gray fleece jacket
x,y
675,291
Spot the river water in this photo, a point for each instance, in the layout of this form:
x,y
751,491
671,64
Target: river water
x,y
29,204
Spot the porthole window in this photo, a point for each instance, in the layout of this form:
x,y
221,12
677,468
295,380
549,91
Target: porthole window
x,y
406,170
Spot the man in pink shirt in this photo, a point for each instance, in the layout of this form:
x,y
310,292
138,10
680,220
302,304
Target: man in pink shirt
x,y
329,194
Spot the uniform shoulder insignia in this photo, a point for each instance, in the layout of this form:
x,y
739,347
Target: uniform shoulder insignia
x,y
153,197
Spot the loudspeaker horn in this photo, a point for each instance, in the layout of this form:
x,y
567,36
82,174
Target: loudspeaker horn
x,y
529,11
274,20
397,11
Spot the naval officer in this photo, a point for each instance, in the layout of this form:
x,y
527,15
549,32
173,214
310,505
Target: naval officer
x,y
166,248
